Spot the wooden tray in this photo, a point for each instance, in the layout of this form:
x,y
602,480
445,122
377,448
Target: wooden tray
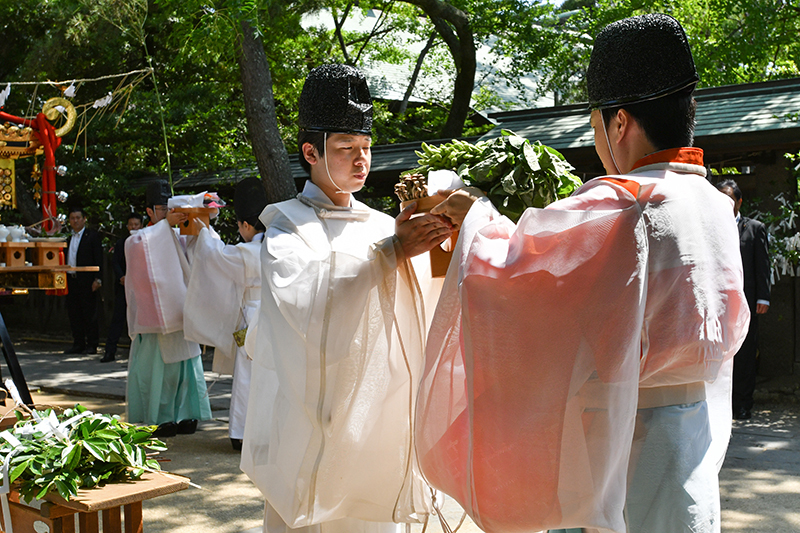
x,y
113,501
424,205
440,259
151,485
200,213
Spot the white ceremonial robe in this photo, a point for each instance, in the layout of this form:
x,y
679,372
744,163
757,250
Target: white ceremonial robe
x,y
222,297
155,289
342,323
526,410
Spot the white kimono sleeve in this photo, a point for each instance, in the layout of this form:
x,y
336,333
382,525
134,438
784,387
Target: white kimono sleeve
x,y
526,408
156,278
213,308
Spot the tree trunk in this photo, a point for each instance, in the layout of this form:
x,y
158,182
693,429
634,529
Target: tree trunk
x,y
262,123
26,205
401,110
454,27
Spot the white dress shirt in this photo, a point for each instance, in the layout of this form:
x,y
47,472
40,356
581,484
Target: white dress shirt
x,y
74,242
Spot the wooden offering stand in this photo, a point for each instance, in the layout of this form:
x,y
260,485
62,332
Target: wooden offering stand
x,y
13,253
203,214
46,270
113,501
440,255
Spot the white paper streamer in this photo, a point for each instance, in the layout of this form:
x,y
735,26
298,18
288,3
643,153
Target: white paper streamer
x,y
4,95
102,102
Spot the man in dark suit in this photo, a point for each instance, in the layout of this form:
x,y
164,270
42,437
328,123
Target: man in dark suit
x,y
755,260
83,249
120,318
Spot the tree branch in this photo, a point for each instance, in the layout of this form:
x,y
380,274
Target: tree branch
x,y
338,30
417,67
385,10
449,20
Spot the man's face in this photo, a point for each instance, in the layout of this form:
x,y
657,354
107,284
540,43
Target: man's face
x,y
157,213
246,231
349,158
134,224
77,221
736,203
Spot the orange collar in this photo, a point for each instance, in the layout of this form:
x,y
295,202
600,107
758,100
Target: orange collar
x,y
691,156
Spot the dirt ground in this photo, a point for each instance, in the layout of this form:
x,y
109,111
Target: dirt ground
x,y
759,482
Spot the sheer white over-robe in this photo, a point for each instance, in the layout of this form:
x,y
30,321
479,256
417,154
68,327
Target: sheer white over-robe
x,y
222,297
547,331
342,323
155,288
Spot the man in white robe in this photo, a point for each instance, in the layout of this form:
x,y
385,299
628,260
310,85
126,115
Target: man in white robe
x,y
166,385
342,323
222,301
528,379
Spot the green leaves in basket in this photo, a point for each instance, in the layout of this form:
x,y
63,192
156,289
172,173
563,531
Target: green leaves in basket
x,y
97,449
513,172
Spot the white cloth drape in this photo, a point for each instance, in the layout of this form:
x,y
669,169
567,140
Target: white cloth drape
x,y
222,297
155,288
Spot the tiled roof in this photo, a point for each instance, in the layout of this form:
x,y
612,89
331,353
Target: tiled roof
x,y
733,109
727,117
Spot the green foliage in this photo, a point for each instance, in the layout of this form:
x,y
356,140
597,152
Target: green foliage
x,y
784,238
87,452
421,122
68,39
724,171
193,45
515,173
732,41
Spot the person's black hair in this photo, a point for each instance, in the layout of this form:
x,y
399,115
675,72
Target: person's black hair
x,y
317,140
668,122
255,222
732,185
76,209
134,214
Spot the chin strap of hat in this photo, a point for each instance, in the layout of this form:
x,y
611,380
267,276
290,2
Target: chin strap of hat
x,y
325,156
608,142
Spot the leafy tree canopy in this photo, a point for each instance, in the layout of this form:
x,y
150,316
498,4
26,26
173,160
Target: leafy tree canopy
x,y
733,41
192,47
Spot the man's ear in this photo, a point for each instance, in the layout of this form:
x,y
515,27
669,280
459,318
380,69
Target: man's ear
x,y
623,124
150,213
310,153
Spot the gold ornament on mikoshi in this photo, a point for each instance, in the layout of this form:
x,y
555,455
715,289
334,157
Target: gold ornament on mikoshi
x,y
36,177
20,141
8,186
55,107
17,141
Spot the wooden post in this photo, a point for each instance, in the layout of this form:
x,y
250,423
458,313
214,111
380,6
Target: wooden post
x,y
89,522
112,520
67,524
133,518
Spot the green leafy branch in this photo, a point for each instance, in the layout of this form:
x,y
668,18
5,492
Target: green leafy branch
x,y
784,238
514,173
97,449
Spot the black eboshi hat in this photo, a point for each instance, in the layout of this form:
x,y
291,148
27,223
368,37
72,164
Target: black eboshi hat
x,y
637,59
157,193
249,198
335,99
